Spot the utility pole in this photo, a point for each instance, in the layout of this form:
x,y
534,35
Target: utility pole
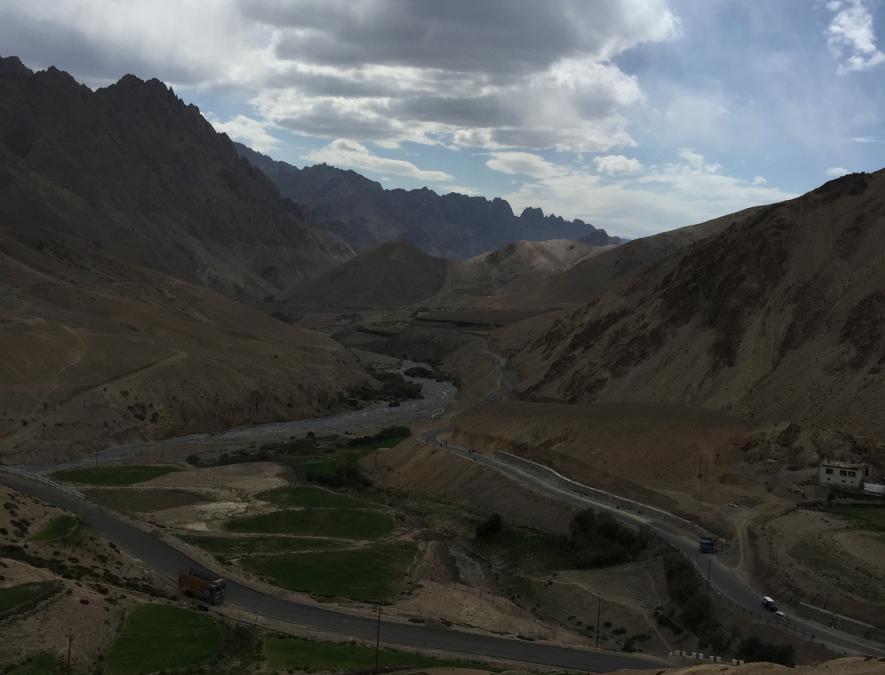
x,y
709,565
378,643
70,639
598,615
702,475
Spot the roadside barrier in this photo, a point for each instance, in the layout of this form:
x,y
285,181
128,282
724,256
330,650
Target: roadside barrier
x,y
698,656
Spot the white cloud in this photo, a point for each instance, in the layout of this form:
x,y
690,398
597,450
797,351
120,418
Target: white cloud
x,y
759,180
612,164
506,74
464,190
248,131
522,163
343,152
689,190
836,171
851,37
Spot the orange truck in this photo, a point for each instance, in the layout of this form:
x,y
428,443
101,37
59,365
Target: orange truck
x,y
203,585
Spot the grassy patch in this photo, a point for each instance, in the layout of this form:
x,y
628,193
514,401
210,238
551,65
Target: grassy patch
x,y
22,597
295,654
868,517
237,546
371,574
299,495
527,549
112,475
60,527
144,501
41,664
341,523
157,637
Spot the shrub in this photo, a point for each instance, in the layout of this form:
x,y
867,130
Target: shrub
x,y
598,540
491,526
754,649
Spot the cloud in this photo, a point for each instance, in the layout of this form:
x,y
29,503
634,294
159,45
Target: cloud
x,y
836,171
523,163
613,164
496,74
686,191
342,152
851,37
247,130
464,190
759,180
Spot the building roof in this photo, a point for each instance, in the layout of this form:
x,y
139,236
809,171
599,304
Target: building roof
x,y
841,465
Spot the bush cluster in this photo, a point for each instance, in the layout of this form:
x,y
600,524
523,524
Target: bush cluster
x,y
489,527
598,540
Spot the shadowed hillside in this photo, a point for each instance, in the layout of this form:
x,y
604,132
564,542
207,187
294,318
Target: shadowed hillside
x,y
111,205
168,191
779,315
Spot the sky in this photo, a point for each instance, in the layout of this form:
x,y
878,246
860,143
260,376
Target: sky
x,y
637,116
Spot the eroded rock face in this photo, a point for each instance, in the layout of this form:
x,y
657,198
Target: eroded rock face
x,y
168,191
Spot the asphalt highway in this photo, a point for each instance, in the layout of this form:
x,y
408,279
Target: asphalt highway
x,y
162,558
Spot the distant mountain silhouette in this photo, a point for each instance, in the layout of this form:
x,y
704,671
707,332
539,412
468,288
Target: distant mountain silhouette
x,y
456,226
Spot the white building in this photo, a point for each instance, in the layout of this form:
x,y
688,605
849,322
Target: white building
x,y
843,474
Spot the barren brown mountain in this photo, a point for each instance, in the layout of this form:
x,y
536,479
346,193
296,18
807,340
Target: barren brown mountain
x,y
167,191
779,315
398,275
112,204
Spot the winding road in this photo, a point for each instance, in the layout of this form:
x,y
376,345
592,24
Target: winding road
x,y
166,560
162,558
680,533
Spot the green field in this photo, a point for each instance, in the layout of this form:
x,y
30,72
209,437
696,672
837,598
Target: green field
x,y
60,527
304,496
238,546
41,664
22,597
284,654
341,523
159,637
372,574
870,517
112,475
143,500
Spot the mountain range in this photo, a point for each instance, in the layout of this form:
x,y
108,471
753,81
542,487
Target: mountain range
x,y
453,226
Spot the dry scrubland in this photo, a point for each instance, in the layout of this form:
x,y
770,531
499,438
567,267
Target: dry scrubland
x,y
92,584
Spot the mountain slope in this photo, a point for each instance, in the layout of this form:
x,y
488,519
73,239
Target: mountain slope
x,y
395,274
111,204
399,275
174,194
780,315
453,226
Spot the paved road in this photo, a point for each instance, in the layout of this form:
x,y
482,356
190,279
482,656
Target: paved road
x,y
675,530
159,556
